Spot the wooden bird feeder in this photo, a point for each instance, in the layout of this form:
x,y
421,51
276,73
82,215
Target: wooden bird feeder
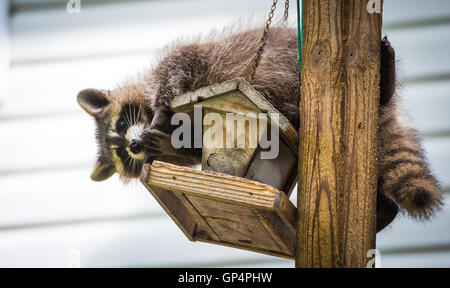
x,y
238,199
241,200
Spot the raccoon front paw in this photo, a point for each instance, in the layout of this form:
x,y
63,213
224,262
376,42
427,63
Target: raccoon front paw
x,y
387,71
156,143
161,120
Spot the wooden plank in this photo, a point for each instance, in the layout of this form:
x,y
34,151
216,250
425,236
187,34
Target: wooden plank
x,y
209,208
284,236
242,226
185,101
287,212
202,229
211,185
230,102
237,228
338,128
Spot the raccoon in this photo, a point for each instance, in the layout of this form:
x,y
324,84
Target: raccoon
x,y
133,121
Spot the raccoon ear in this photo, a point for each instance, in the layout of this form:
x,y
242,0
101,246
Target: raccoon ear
x,y
102,171
92,101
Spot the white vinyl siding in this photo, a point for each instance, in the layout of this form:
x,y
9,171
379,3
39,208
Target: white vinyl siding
x,y
49,206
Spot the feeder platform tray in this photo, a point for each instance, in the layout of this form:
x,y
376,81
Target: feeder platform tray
x,y
222,209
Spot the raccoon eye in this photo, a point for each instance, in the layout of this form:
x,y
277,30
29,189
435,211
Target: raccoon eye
x,y
122,153
121,126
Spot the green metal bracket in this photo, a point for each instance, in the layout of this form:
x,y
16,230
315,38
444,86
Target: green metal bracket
x,y
300,32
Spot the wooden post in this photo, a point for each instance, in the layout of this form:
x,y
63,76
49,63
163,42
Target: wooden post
x,y
338,133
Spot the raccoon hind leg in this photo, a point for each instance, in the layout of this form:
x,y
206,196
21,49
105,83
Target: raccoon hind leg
x,y
387,72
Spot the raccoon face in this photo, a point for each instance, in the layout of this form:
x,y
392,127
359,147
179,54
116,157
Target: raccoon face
x,y
121,117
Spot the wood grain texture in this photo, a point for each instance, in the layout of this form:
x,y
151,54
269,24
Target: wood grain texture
x,y
337,147
185,102
222,209
288,132
215,155
211,185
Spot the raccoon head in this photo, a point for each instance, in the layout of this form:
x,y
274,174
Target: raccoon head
x,y
121,116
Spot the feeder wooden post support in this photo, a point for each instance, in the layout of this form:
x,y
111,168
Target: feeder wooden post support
x,y
338,133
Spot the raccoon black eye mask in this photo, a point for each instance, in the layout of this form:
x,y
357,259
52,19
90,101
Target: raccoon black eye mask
x,y
133,121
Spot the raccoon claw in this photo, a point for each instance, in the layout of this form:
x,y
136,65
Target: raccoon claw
x,y
387,71
386,46
157,142
155,136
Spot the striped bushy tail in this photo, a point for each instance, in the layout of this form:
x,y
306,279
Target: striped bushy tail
x,y
404,174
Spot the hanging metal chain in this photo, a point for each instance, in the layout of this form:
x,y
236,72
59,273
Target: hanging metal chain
x,y
262,42
286,10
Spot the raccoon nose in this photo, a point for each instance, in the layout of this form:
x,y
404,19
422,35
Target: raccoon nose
x,y
135,146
